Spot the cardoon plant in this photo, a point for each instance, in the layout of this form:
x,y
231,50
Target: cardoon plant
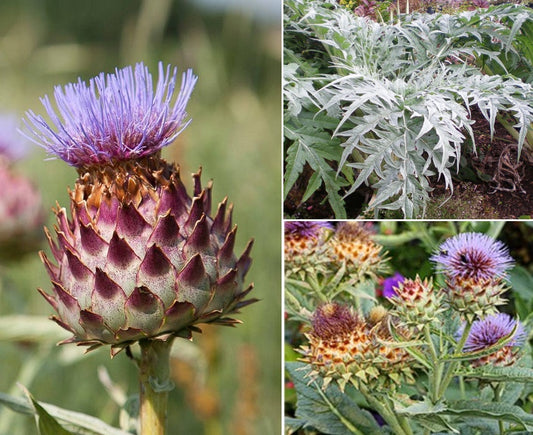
x,y
431,359
139,260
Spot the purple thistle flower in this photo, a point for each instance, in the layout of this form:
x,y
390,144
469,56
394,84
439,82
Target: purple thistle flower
x,y
488,331
12,145
115,117
390,283
473,255
306,229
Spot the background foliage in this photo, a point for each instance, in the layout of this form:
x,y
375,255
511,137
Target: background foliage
x,y
235,112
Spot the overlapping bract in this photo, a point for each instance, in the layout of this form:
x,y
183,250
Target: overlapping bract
x,y
416,302
141,259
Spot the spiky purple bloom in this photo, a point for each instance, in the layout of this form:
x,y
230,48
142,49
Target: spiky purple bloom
x,y
306,229
390,283
488,331
473,255
114,117
12,145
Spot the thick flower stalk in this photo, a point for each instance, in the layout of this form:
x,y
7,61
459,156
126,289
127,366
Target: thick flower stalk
x,y
487,332
346,347
21,215
475,266
139,259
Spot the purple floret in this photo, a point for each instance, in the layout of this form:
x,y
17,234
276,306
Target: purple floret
x,y
390,283
307,229
488,331
115,117
473,255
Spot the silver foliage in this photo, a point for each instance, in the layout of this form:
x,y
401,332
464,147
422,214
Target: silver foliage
x,y
401,94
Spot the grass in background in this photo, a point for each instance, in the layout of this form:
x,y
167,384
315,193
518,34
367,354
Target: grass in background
x,y
234,136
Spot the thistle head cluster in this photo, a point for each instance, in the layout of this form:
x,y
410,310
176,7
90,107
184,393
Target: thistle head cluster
x,y
139,258
346,347
487,332
474,265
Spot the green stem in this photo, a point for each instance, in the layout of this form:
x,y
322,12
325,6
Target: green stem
x,y
498,391
512,131
154,377
454,364
387,413
436,366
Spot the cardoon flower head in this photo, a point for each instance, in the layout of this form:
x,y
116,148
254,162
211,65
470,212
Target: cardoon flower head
x,y
487,332
302,241
416,302
305,229
473,256
139,258
345,347
352,244
115,117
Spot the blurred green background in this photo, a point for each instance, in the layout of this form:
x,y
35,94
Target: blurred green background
x,y
229,381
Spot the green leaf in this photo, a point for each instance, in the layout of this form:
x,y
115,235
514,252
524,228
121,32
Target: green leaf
x,y
314,184
498,374
33,329
522,282
76,422
331,411
493,411
46,424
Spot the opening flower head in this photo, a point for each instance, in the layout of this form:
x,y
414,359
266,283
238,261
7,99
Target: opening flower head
x,y
302,240
490,330
473,256
114,117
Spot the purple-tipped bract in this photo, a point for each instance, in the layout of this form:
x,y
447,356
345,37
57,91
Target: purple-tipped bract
x,y
114,117
473,255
